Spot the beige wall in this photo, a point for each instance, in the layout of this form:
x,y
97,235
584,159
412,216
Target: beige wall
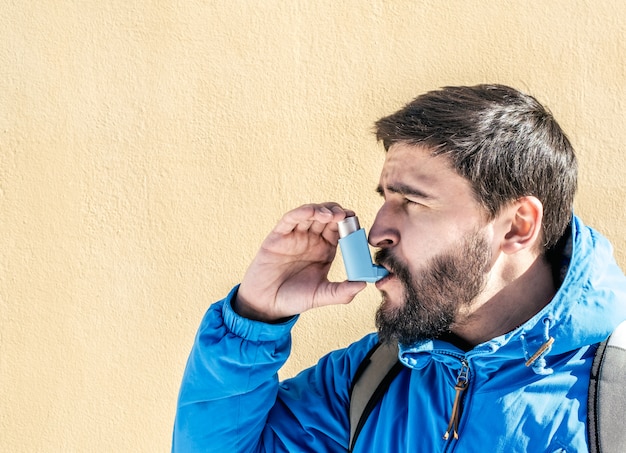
x,y
146,148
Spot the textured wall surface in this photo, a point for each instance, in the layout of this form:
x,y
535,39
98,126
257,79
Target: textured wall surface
x,y
146,148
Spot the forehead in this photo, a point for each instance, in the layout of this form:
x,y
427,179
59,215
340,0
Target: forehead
x,y
415,167
405,162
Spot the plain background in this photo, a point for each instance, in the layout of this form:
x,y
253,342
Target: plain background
x,y
146,148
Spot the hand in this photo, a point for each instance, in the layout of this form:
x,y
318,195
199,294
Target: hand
x,y
289,274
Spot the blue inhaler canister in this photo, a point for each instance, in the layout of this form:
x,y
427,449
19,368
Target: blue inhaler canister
x,y
356,253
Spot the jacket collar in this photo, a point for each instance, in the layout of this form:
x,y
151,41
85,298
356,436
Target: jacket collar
x,y
590,302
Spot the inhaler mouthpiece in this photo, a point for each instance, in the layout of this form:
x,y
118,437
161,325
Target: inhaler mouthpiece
x,y
356,253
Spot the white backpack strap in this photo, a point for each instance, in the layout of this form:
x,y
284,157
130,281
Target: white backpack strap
x,y
607,395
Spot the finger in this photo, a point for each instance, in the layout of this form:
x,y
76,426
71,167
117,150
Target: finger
x,y
330,230
303,227
334,293
341,212
318,227
302,218
293,218
330,233
316,224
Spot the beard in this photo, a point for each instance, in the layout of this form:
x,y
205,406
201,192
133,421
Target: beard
x,y
434,296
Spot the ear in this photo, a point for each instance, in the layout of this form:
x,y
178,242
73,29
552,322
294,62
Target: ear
x,y
524,224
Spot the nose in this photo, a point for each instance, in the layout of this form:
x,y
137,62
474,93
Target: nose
x,y
384,231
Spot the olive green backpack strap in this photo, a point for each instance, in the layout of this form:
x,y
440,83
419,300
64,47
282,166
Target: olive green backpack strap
x,y
371,380
606,404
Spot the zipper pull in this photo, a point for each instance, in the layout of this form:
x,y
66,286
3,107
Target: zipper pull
x,y
462,381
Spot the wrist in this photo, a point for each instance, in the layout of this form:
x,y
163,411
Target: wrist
x,y
250,329
246,310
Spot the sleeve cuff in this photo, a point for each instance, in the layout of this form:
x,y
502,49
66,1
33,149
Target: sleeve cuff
x,y
249,329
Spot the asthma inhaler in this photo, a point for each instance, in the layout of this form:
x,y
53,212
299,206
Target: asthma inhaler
x,y
356,253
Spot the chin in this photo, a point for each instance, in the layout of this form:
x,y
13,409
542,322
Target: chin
x,y
391,302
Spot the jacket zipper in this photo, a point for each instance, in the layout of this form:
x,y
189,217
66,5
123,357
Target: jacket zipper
x,y
462,382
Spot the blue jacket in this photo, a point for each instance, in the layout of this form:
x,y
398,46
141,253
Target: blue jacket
x,y
231,400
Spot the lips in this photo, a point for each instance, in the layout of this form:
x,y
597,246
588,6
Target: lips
x,y
385,279
385,259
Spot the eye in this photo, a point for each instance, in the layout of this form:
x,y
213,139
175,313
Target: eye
x,y
408,201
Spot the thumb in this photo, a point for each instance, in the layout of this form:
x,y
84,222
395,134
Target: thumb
x,y
340,292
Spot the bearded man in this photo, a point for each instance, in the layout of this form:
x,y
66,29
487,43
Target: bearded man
x,y
493,283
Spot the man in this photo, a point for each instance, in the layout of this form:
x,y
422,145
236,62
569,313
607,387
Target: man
x,y
497,296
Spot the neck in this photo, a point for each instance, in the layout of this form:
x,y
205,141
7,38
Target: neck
x,y
519,290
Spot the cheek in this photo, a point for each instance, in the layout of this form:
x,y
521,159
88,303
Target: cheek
x,y
417,249
490,236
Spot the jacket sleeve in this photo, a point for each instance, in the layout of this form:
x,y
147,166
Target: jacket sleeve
x,y
230,398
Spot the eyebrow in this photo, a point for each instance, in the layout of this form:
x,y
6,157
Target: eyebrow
x,y
403,189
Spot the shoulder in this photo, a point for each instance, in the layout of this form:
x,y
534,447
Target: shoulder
x,y
335,371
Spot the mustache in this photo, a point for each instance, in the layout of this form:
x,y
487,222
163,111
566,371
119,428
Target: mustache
x,y
385,258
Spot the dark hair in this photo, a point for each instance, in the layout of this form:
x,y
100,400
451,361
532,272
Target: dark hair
x,y
504,142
